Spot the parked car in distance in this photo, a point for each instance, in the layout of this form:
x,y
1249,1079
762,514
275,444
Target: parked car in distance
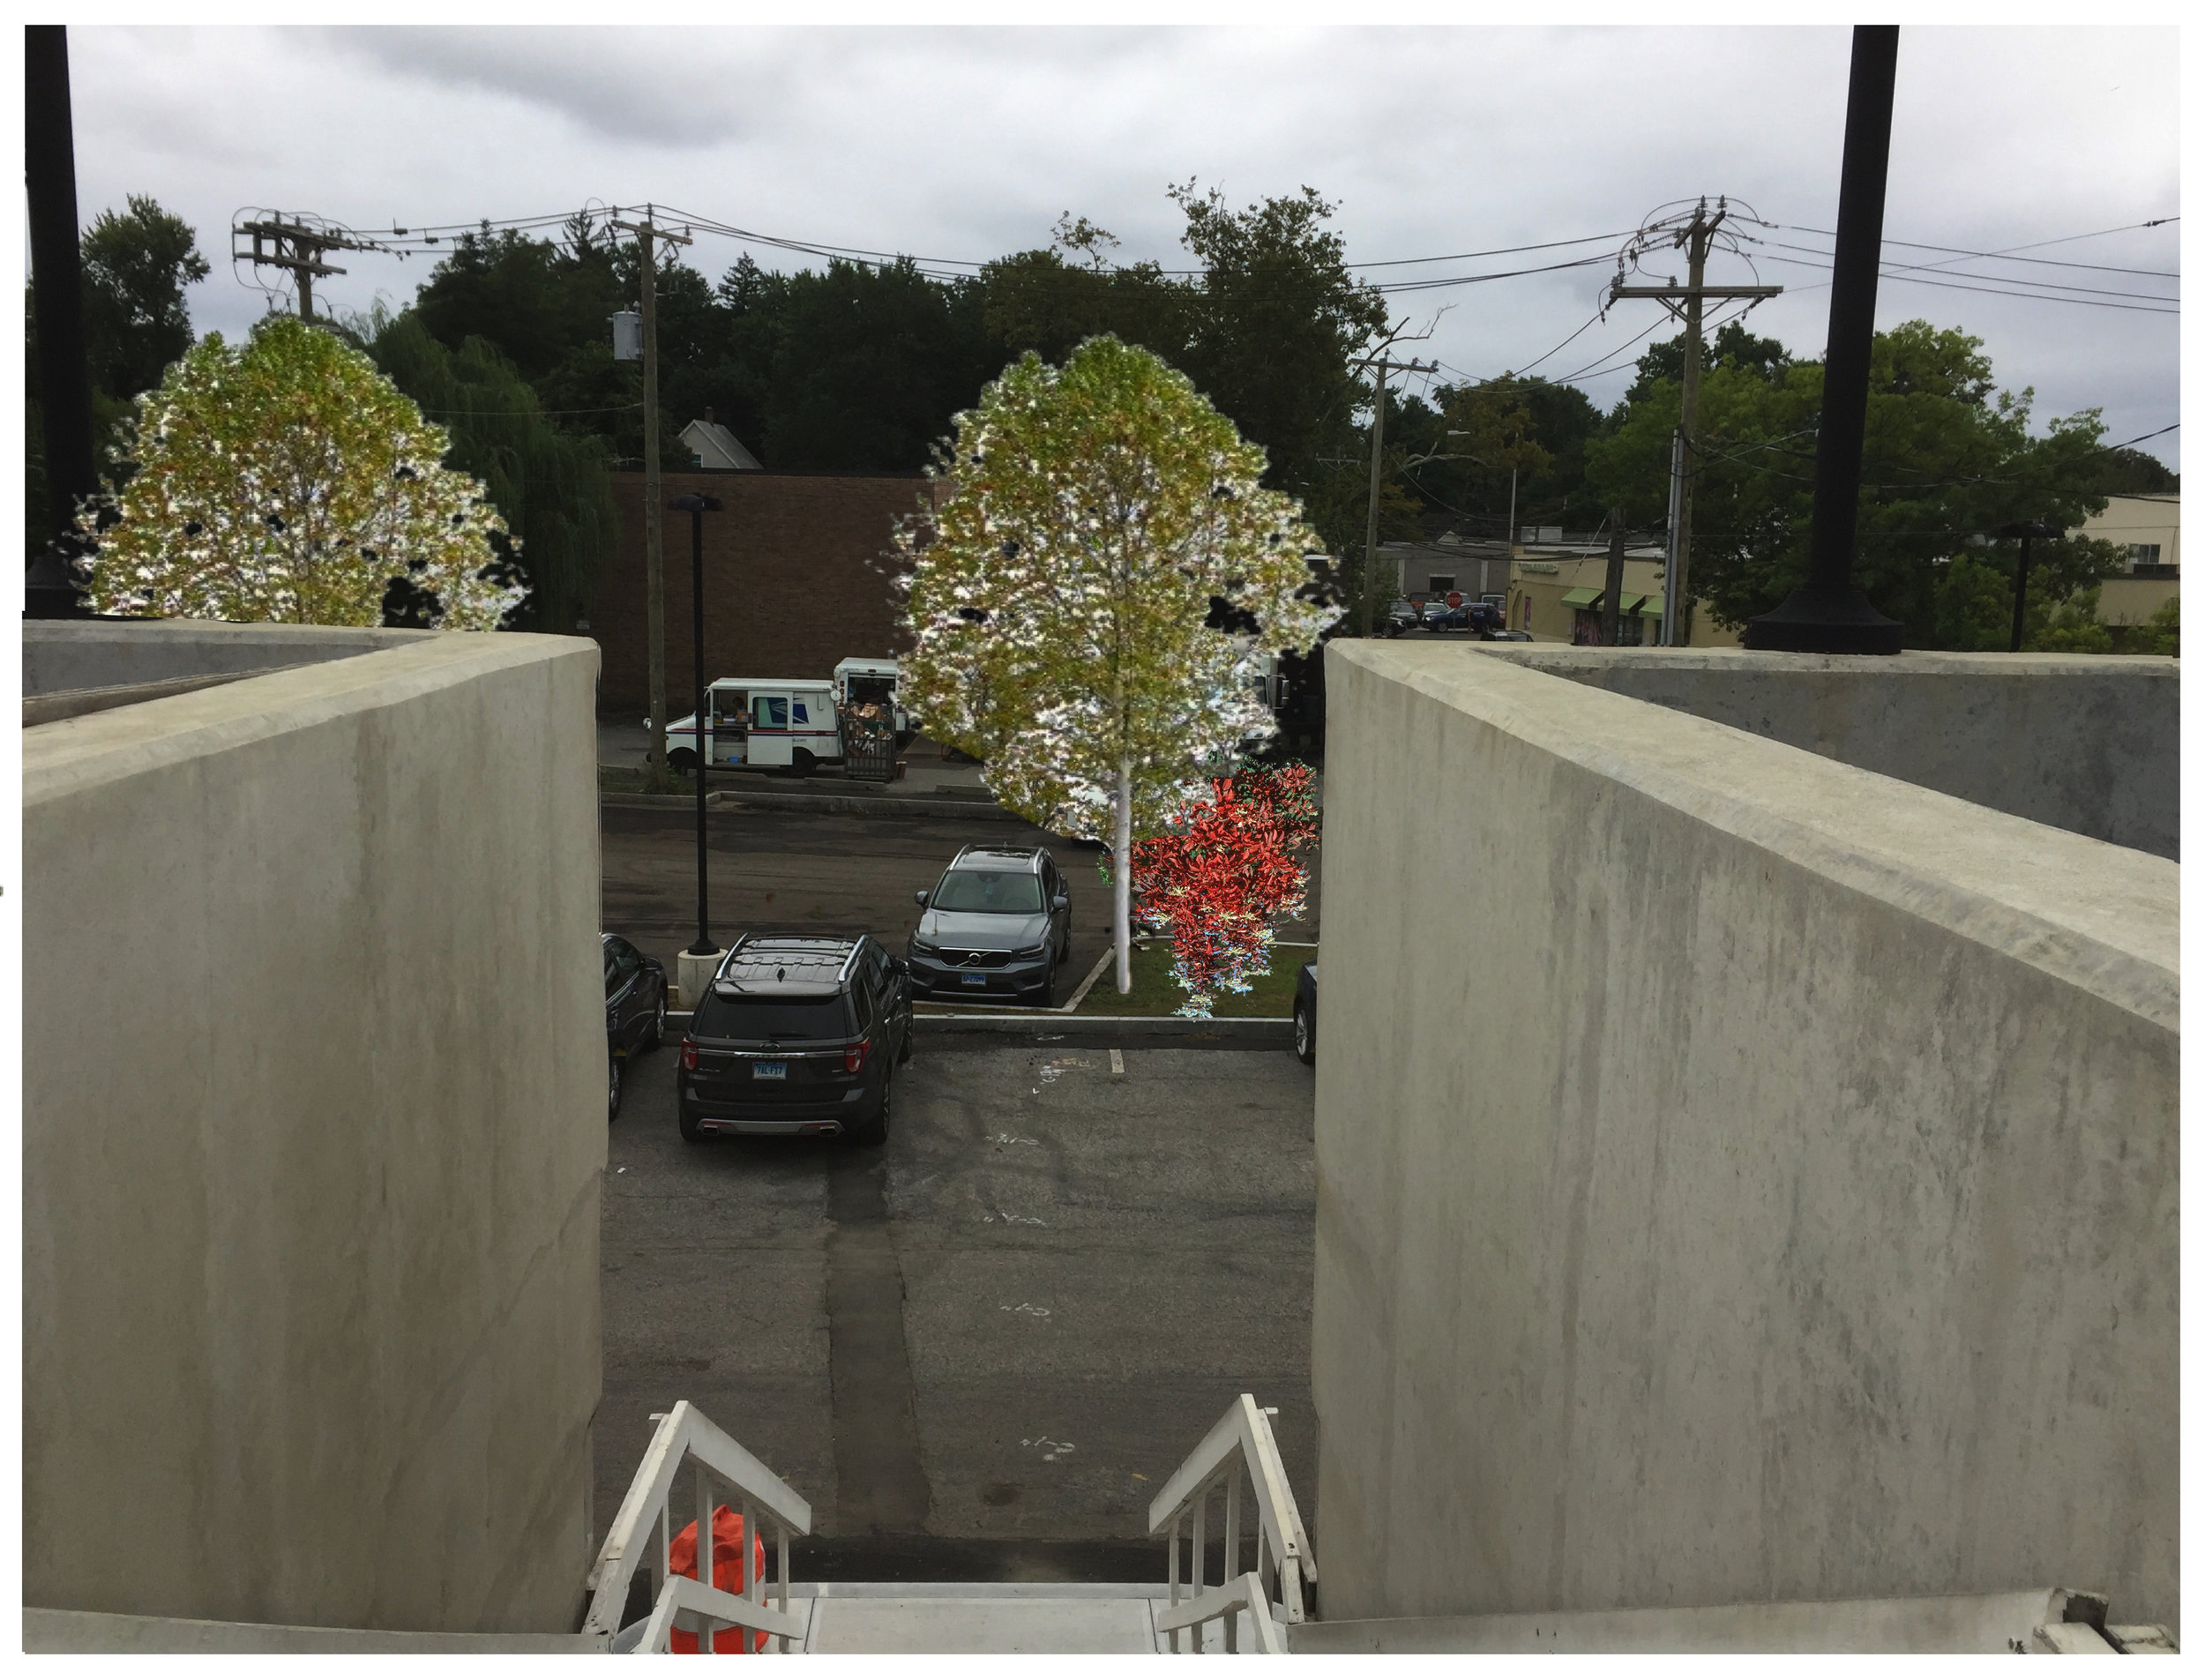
x,y
1305,1013
1511,635
635,1011
998,922
1401,615
1435,614
796,1036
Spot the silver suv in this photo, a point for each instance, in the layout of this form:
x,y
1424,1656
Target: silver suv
x,y
998,922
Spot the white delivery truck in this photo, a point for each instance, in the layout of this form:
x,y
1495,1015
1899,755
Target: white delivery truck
x,y
859,681
767,722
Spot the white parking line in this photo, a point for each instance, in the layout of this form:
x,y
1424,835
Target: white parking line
x,y
1117,1062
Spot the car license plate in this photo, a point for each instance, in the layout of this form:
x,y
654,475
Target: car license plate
x,y
975,980
769,1070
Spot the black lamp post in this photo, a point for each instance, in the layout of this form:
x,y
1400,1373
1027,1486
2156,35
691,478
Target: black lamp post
x,y
2026,530
697,507
49,176
1827,613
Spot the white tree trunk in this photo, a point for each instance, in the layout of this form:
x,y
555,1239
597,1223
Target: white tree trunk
x,y
1122,876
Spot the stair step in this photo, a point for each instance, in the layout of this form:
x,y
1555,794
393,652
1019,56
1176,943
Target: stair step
x,y
909,1618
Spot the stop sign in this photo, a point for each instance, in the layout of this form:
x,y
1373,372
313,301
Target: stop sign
x,y
1454,598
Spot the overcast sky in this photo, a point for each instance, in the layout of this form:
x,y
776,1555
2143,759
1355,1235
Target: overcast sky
x,y
965,143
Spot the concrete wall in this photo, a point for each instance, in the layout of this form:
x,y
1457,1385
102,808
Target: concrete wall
x,y
313,1134
1805,1226
61,654
2082,741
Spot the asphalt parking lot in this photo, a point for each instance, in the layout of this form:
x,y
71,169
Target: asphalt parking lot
x,y
783,871
979,1350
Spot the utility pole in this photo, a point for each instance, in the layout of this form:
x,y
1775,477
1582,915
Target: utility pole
x,y
295,246
1828,614
1382,363
65,384
2026,531
647,233
1612,598
1696,236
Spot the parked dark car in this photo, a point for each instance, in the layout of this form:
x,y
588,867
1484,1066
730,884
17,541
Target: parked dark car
x,y
797,1037
635,1011
1305,1013
1402,616
998,922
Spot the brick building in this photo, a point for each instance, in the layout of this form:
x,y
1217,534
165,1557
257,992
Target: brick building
x,y
798,574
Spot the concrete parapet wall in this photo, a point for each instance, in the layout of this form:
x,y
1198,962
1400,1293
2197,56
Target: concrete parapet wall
x,y
61,654
313,1137
1800,1222
2085,742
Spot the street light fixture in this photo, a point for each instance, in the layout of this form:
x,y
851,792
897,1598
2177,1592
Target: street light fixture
x,y
697,507
2025,530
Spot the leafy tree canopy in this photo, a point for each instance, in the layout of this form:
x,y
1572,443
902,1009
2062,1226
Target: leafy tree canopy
x,y
287,481
1946,459
136,266
554,488
1089,602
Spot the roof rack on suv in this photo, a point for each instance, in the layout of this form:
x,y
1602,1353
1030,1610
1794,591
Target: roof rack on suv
x,y
1024,854
785,966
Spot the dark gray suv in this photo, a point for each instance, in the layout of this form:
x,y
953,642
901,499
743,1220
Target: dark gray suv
x,y
996,924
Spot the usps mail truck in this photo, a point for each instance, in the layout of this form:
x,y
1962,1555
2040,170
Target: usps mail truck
x,y
764,722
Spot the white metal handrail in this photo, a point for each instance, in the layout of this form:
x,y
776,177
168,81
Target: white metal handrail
x,y
686,1436
1240,1448
1243,1595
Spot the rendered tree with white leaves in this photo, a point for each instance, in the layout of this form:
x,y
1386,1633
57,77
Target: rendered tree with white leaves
x,y
287,481
1091,601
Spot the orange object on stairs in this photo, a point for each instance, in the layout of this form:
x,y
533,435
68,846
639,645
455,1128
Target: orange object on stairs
x,y
727,1553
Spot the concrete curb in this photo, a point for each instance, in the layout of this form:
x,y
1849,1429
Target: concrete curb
x,y
1251,1026
1248,1026
869,805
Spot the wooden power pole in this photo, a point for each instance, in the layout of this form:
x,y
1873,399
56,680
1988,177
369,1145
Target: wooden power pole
x,y
1382,364
648,234
296,248
1685,302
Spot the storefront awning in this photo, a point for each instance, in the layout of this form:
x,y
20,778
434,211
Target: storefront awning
x,y
1585,598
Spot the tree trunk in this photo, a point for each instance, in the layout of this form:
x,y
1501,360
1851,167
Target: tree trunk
x,y
1122,876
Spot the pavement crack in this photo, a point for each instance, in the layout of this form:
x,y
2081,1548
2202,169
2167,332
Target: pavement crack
x,y
881,1486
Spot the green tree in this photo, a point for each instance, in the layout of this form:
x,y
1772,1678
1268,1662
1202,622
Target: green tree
x,y
2161,633
136,266
287,481
1945,456
554,488
1087,603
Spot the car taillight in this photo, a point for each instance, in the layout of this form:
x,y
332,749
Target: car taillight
x,y
854,1057
689,1056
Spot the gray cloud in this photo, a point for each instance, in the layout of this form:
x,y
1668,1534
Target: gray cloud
x,y
968,142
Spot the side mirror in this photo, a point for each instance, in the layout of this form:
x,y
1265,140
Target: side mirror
x,y
919,899
899,965
1062,901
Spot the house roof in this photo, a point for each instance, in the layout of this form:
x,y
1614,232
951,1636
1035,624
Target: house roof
x,y
716,446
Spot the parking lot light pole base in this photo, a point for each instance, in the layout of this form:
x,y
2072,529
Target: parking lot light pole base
x,y
693,971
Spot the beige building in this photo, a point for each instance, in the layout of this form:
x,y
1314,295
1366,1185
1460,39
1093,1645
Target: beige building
x,y
1556,595
2150,528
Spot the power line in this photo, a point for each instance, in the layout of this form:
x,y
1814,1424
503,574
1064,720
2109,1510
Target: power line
x,y
2040,244
1908,270
1998,291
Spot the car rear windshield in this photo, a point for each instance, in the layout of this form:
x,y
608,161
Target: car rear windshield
x,y
762,1018
1007,892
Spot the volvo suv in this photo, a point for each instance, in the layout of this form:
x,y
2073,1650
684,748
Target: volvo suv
x,y
998,922
797,1037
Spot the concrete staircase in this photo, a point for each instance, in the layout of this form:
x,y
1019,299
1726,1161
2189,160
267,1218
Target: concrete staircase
x,y
638,1604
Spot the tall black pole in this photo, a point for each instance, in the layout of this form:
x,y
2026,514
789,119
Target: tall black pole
x,y
1827,613
50,180
697,507
2025,530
